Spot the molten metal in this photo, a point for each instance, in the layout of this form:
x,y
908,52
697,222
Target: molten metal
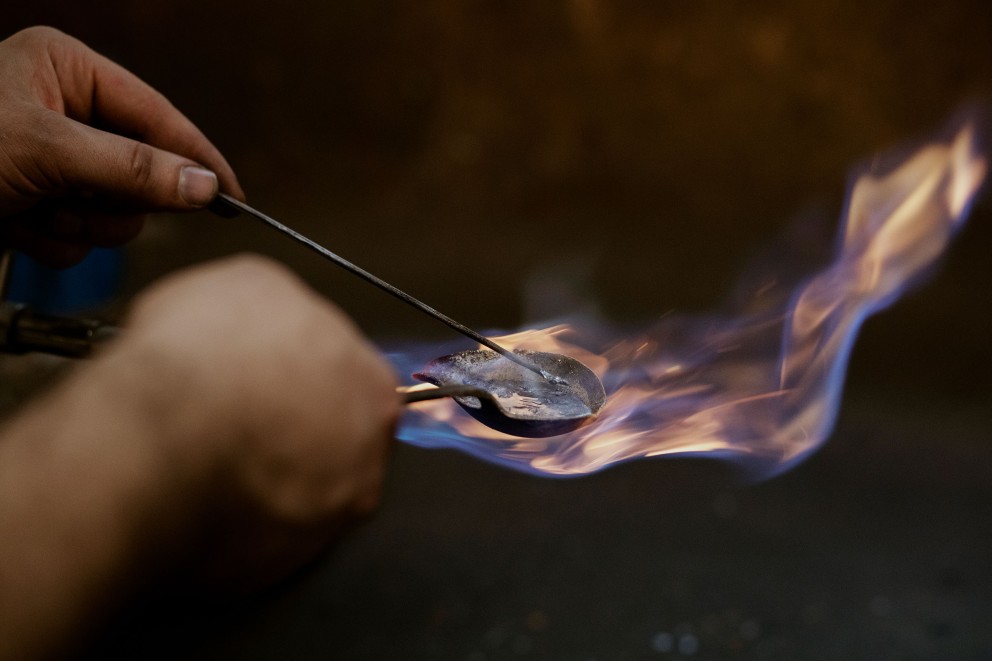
x,y
516,401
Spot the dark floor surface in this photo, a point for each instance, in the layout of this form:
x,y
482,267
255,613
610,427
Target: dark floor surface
x,y
657,145
877,548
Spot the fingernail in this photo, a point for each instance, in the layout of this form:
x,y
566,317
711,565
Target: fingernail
x,y
197,186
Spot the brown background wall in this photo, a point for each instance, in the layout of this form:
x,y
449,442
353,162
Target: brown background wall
x,y
457,148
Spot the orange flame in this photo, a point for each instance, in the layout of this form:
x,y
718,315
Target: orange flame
x,y
763,385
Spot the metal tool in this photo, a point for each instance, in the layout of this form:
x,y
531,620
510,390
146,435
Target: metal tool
x,y
23,330
500,395
552,394
225,205
494,391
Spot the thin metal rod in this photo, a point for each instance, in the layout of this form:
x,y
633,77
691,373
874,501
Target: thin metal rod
x,y
378,282
425,394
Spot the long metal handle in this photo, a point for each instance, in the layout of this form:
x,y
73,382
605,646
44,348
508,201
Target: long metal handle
x,y
224,205
412,396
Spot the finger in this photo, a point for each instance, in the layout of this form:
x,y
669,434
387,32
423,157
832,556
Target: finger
x,y
81,158
93,227
109,93
50,252
87,221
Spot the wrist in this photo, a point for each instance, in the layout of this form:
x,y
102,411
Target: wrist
x,y
159,417
97,499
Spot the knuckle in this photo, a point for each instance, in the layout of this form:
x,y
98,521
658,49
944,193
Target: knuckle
x,y
45,41
379,390
261,278
58,44
140,164
40,34
356,498
29,154
253,264
367,502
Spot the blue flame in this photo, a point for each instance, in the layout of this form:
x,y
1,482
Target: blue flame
x,y
762,383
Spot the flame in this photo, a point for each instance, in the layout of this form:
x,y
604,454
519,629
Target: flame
x,y
762,384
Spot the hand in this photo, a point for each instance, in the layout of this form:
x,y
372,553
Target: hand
x,y
285,414
238,425
66,185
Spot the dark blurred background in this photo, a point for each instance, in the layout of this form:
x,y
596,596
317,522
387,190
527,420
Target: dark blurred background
x,y
459,148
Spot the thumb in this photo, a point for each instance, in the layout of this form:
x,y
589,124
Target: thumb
x,y
91,160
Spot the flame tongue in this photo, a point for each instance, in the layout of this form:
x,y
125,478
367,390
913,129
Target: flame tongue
x,y
519,401
761,383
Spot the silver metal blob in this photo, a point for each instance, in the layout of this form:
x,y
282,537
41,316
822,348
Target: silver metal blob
x,y
523,393
506,397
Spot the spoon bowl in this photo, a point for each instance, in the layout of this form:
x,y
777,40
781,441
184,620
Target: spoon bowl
x,y
507,397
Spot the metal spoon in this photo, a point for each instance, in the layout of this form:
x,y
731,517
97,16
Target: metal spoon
x,y
523,393
501,395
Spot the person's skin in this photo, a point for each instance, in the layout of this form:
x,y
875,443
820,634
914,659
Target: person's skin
x,y
215,442
65,184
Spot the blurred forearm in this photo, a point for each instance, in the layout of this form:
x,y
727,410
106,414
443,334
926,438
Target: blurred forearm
x,y
220,409
89,504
